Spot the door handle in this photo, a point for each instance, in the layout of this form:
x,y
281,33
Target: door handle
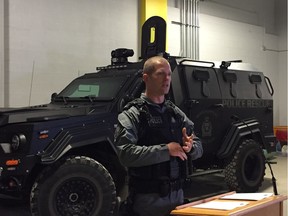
x,y
191,103
218,105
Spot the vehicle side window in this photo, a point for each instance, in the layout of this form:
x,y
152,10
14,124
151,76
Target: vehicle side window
x,y
231,78
240,85
256,80
201,83
137,87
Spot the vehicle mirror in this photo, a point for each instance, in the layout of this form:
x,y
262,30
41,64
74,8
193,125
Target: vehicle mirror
x,y
255,78
53,96
230,76
201,75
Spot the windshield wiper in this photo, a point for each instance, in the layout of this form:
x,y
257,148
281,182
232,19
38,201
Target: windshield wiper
x,y
63,98
91,98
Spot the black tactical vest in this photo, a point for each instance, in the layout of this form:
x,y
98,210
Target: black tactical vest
x,y
155,128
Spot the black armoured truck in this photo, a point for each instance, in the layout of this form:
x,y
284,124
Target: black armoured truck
x,y
61,154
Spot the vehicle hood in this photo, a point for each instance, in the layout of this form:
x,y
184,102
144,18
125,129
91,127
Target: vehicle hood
x,y
45,112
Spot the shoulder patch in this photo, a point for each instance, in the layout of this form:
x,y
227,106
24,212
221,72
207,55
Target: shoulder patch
x,y
124,121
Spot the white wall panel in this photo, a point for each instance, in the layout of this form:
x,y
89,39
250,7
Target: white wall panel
x,y
2,60
173,32
57,40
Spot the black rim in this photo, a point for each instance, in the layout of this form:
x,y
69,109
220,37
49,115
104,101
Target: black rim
x,y
76,197
252,168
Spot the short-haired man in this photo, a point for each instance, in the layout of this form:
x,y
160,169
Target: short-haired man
x,y
153,139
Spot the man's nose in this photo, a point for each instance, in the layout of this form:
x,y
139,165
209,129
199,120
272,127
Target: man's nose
x,y
167,76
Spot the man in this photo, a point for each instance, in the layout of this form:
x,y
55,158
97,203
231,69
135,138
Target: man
x,y
154,139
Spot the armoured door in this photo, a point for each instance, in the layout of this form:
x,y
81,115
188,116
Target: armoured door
x,y
204,106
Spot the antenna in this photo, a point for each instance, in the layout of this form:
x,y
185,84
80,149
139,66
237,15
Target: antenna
x,y
273,178
31,84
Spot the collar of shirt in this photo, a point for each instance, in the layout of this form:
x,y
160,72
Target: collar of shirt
x,y
160,107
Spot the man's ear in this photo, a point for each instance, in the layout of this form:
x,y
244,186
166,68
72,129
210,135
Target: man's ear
x,y
144,76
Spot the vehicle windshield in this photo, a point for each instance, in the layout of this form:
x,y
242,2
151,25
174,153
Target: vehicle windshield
x,y
96,88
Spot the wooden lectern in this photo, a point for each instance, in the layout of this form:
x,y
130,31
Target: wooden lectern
x,y
270,206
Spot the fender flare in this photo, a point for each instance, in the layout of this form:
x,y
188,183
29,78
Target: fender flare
x,y
73,138
244,128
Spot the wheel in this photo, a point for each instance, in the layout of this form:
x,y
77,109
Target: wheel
x,y
245,171
119,174
116,170
76,186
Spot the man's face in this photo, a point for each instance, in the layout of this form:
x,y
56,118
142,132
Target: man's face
x,y
158,83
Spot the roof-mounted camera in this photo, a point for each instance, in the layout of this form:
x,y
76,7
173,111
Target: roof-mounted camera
x,y
120,56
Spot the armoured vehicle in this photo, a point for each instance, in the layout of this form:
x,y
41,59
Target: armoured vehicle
x,y
62,156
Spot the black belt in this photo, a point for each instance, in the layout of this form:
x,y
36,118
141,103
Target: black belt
x,y
163,187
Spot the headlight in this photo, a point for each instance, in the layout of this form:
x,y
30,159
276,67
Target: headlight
x,y
17,140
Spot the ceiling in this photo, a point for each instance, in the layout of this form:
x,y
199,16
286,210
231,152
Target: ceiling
x,y
271,14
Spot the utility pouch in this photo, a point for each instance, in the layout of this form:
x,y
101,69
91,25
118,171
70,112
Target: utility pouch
x,y
164,188
189,166
186,167
126,207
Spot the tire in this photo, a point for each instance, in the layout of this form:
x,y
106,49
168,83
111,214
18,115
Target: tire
x,y
116,170
78,186
245,171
